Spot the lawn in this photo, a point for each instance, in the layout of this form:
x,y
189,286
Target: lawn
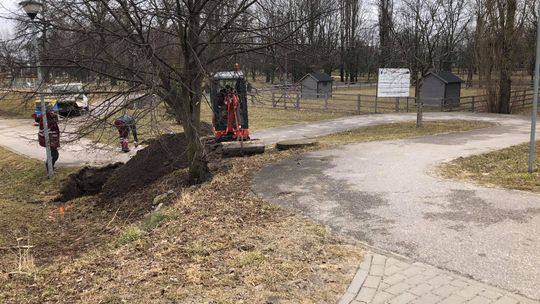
x,y
17,105
401,130
215,243
506,168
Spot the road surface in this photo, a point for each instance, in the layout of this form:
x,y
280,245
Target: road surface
x,y
385,194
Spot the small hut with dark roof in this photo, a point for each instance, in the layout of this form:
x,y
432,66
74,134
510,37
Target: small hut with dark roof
x,y
316,85
441,89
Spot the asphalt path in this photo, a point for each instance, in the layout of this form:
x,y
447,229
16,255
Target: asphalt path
x,y
20,136
386,194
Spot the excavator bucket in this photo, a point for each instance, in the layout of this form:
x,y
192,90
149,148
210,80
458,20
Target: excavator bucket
x,y
242,148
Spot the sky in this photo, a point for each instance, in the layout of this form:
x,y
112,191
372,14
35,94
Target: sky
x,y
7,8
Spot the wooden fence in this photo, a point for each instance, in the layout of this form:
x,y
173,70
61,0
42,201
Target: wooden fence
x,y
368,104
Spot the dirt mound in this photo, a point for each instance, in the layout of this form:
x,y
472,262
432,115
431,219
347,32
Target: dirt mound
x,y
87,181
161,157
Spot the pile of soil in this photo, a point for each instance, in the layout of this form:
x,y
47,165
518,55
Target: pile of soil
x,y
161,157
87,181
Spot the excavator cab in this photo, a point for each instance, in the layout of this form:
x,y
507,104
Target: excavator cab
x,y
228,95
229,106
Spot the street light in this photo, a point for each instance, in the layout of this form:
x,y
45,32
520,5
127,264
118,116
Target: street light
x,y
32,8
532,144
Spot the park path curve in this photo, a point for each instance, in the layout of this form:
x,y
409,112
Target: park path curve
x,y
384,193
20,136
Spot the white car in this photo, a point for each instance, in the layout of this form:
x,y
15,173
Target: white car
x,y
71,98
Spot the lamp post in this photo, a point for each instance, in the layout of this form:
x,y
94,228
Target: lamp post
x,y
532,144
32,8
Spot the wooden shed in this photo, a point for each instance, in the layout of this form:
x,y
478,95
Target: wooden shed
x,y
441,89
316,85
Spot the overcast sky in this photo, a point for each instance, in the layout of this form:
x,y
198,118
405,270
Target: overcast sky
x,y
7,8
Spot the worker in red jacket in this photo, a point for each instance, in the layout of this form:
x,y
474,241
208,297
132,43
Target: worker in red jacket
x,y
124,124
54,135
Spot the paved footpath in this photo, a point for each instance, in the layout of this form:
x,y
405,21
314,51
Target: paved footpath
x,y
397,280
385,194
20,136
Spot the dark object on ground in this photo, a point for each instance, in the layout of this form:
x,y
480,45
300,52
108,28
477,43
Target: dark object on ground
x,y
239,148
295,144
161,157
87,181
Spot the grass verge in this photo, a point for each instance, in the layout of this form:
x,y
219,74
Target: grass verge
x,y
506,168
401,130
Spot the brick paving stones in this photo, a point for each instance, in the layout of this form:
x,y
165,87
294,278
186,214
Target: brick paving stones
x,y
384,279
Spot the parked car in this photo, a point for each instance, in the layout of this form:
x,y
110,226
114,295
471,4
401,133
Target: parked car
x,y
71,98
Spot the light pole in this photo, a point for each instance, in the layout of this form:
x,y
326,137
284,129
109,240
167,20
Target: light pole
x,y
32,8
535,98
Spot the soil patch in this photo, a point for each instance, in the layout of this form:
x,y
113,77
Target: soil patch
x,y
87,181
161,157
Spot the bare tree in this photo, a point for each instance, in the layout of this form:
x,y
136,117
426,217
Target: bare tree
x,y
386,8
162,47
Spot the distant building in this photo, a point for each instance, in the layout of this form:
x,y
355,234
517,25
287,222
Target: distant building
x,y
441,88
316,85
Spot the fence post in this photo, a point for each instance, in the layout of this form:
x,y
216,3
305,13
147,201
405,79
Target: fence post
x,y
472,103
407,104
376,101
285,97
397,104
273,100
326,102
419,113
297,101
358,104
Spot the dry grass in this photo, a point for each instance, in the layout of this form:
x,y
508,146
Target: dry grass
x,y
506,168
213,245
17,105
401,130
264,118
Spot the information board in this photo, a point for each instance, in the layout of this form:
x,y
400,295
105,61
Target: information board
x,y
393,83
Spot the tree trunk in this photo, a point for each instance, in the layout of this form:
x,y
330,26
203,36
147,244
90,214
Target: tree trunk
x,y
190,102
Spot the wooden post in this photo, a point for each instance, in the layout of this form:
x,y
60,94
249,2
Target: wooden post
x,y
472,103
376,101
407,104
326,102
358,104
273,100
297,101
419,109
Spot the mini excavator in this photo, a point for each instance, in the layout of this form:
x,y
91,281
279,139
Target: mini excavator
x,y
230,114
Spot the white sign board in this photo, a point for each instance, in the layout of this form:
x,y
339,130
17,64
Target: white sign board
x,y
393,83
